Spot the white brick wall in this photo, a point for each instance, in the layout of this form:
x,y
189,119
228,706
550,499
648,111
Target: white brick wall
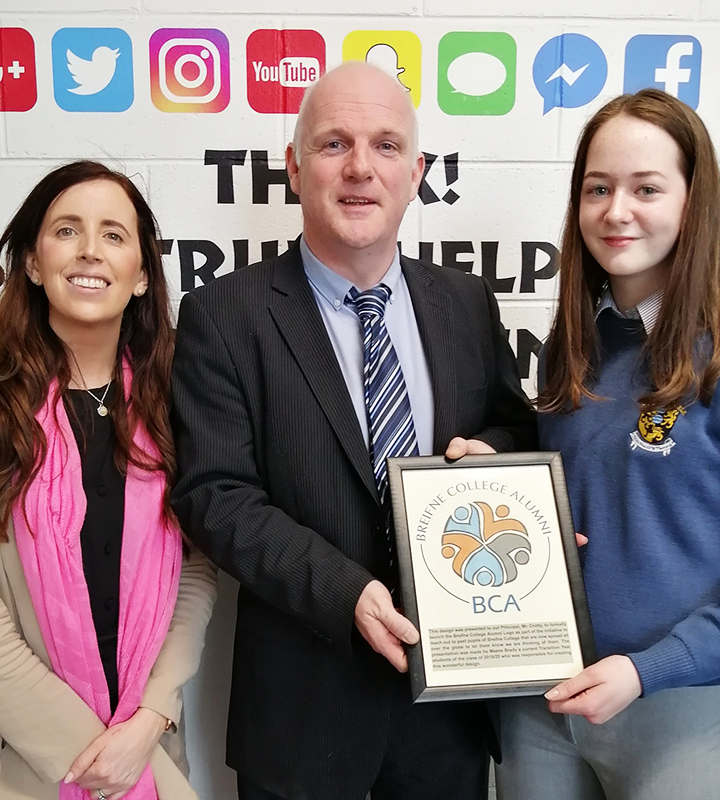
x,y
512,174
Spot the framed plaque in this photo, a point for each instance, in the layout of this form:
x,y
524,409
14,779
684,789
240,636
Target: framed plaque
x,y
490,575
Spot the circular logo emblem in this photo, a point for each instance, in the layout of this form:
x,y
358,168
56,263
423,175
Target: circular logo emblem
x,y
486,549
482,548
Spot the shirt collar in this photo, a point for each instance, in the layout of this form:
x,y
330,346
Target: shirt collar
x,y
334,287
646,310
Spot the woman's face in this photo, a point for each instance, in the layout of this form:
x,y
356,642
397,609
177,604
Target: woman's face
x,y
632,203
88,257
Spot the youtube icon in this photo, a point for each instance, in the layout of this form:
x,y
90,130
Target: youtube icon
x,y
18,85
281,64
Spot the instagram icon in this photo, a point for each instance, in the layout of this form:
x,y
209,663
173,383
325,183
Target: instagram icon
x,y
190,70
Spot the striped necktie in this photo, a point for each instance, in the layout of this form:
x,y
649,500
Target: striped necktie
x,y
390,423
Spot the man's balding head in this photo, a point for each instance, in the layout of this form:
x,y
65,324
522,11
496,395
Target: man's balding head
x,y
355,164
348,72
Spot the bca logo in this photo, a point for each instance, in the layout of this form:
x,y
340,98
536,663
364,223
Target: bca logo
x,y
280,65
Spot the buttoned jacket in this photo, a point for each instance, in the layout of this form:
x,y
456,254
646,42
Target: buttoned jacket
x,y
276,486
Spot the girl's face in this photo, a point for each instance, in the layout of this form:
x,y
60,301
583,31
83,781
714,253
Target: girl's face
x,y
87,257
632,204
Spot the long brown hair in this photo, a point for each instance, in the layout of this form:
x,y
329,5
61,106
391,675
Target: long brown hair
x,y
31,354
691,300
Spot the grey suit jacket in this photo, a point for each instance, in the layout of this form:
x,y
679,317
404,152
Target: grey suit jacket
x,y
44,725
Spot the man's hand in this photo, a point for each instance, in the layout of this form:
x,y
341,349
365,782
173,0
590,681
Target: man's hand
x,y
599,692
460,447
383,626
115,761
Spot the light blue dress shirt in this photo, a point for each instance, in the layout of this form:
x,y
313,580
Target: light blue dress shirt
x,y
345,331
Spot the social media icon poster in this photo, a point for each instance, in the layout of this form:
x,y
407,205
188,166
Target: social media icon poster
x,y
569,71
398,53
670,63
92,69
476,73
281,64
190,70
18,85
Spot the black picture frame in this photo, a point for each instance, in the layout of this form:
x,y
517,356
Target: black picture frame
x,y
422,690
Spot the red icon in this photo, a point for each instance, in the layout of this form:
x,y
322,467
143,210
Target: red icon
x,y
280,66
18,87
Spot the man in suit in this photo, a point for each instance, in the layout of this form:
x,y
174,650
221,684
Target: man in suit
x,y
279,480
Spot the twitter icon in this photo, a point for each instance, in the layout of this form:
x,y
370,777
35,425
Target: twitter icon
x,y
92,69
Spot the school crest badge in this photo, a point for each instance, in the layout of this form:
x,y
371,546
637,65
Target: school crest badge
x,y
653,430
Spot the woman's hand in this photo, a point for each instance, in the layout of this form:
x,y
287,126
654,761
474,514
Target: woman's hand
x,y
599,692
115,761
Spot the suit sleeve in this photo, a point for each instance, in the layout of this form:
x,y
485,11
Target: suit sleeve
x,y
41,717
179,657
512,423
222,503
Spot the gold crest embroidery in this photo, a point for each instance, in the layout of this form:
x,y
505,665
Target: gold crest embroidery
x,y
653,430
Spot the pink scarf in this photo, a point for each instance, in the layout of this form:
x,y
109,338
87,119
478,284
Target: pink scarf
x,y
51,557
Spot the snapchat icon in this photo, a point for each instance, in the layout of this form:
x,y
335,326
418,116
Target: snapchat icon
x,y
396,52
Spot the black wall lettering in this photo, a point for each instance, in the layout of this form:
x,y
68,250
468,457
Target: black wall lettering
x,y
451,175
489,255
214,258
528,273
225,160
426,251
450,252
527,345
425,193
240,253
263,176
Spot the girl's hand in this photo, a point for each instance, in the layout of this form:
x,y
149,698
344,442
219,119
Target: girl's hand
x,y
599,692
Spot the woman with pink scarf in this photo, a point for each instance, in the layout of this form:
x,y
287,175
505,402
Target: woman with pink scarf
x,y
103,608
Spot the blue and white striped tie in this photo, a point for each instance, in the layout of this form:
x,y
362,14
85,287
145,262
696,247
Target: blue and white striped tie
x,y
390,422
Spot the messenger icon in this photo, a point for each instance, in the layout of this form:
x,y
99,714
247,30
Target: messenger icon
x,y
569,71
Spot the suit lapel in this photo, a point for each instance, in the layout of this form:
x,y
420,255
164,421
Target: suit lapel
x,y
433,312
298,319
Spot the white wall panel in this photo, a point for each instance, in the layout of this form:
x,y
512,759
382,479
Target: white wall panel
x,y
69,7
530,10
709,9
375,7
528,324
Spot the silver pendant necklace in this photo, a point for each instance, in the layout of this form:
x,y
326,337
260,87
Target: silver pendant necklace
x,y
102,409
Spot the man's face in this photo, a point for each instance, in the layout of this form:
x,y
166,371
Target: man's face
x,y
358,170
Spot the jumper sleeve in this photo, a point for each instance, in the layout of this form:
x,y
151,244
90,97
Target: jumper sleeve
x,y
179,657
689,655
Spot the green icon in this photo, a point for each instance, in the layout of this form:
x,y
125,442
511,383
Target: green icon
x,y
476,73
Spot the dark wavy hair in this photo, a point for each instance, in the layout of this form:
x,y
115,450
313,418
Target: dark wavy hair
x,y
31,354
691,300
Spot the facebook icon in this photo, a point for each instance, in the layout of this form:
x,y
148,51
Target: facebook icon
x,y
671,63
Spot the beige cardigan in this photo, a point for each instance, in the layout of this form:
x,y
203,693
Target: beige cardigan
x,y
45,725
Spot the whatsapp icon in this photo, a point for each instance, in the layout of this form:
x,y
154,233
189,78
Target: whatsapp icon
x,y
476,73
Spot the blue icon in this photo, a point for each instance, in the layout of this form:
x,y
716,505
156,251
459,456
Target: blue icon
x,y
569,71
670,63
92,69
